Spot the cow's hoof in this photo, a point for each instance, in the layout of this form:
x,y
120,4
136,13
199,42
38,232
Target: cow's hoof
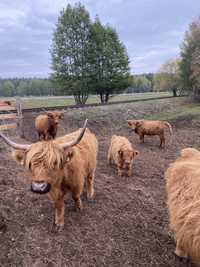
x,y
57,228
180,253
91,199
77,208
90,195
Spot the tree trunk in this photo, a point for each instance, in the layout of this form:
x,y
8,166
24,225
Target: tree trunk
x,y
81,98
196,93
174,92
104,98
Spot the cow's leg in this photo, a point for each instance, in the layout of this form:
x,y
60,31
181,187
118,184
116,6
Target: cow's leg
x,y
141,135
54,133
41,136
162,140
57,197
46,135
90,185
119,170
180,252
76,195
109,158
59,212
130,171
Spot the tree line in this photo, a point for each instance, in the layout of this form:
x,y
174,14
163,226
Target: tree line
x,y
140,83
182,75
11,87
27,87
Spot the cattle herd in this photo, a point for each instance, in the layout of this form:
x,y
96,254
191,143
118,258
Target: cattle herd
x,y
68,163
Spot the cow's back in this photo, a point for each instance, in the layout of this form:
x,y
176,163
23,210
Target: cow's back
x,y
85,152
41,123
183,190
152,127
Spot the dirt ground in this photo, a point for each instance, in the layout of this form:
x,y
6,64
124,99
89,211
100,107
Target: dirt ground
x,y
126,224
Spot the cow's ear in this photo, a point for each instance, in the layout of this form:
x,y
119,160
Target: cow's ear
x,y
19,156
120,152
69,153
138,123
50,114
129,122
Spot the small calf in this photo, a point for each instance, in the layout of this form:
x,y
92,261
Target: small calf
x,y
121,153
145,127
47,124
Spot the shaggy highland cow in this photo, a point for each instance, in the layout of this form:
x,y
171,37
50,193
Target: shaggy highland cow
x,y
47,124
121,153
145,127
59,166
183,191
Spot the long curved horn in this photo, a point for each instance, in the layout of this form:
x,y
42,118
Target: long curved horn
x,y
13,144
73,143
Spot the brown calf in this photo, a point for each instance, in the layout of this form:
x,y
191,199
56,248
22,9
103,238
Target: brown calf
x,y
146,127
47,124
121,153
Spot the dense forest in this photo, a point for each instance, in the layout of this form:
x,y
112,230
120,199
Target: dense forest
x,y
27,87
42,87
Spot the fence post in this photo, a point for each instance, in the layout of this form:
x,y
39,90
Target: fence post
x,y
20,125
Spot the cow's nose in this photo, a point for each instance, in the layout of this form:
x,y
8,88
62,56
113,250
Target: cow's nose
x,y
40,187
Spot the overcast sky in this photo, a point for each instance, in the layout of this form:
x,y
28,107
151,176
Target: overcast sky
x,y
152,31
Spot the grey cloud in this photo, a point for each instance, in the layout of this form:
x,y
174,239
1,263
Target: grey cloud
x,y
152,31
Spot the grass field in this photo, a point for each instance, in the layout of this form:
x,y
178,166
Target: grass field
x,y
31,102
186,111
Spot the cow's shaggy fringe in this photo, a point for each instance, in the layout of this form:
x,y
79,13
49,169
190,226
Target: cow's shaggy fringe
x,y
45,154
183,189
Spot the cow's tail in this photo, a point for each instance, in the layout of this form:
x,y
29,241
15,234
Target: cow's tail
x,y
169,126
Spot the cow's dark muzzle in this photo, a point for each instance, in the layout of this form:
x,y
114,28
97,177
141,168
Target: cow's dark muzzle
x,y
40,187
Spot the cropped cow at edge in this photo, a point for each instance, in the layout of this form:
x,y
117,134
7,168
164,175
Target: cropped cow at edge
x,y
121,153
47,124
60,165
146,127
183,191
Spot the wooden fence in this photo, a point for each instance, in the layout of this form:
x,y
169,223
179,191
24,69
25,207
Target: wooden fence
x,y
11,117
